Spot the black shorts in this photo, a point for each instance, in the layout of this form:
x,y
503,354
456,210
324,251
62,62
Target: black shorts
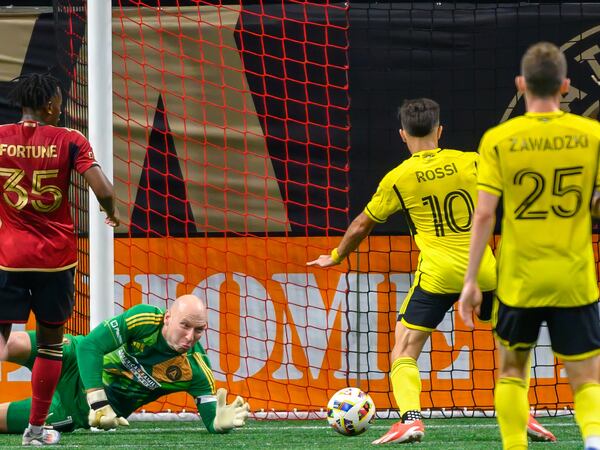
x,y
424,310
574,332
50,295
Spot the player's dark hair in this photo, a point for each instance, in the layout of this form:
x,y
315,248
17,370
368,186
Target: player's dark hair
x,y
419,116
544,67
33,90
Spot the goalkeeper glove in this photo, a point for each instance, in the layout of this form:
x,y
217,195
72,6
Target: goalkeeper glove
x,y
101,413
232,415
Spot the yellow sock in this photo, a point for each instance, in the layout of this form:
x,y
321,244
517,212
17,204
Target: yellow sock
x,y
587,409
512,409
406,384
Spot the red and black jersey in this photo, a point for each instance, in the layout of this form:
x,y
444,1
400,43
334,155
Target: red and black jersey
x,y
36,229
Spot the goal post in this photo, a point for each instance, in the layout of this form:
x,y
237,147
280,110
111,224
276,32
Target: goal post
x,y
99,37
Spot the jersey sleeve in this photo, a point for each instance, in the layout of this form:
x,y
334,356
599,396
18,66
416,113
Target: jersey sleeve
x,y
110,335
204,390
207,408
204,380
385,201
81,153
489,178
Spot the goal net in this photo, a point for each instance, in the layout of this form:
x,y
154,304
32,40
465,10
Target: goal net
x,y
233,167
71,70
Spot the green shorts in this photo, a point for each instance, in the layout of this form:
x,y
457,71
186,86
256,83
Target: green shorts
x,y
69,409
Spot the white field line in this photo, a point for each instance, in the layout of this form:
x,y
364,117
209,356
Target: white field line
x,y
323,426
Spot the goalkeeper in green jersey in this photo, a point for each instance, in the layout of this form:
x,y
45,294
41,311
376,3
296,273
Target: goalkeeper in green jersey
x,y
124,363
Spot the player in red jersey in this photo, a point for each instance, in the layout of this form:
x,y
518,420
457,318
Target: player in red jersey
x,y
38,254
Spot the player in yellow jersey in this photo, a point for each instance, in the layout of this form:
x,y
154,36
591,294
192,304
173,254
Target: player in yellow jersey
x,y
436,189
544,164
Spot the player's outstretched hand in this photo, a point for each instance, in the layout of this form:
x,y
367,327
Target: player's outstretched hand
x,y
101,413
469,302
230,416
323,261
113,220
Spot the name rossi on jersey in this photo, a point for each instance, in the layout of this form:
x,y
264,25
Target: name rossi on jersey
x,y
438,172
29,151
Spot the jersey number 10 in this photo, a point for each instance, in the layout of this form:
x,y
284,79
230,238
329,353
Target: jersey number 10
x,y
444,212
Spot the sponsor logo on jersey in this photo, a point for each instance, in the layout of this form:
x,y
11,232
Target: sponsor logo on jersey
x,y
174,373
114,325
137,370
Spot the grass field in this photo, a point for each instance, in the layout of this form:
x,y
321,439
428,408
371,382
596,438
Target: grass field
x,y
447,434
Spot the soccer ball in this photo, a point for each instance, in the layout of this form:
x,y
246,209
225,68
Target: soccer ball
x,y
350,411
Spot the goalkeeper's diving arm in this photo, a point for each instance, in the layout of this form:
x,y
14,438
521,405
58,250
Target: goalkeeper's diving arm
x,y
220,417
90,354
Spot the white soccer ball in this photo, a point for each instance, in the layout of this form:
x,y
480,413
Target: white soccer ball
x,y
350,411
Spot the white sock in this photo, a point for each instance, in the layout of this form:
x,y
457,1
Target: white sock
x,y
36,429
593,442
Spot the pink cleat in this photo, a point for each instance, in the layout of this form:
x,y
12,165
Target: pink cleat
x,y
537,432
403,433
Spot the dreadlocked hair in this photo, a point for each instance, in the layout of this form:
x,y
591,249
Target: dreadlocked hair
x,y
33,90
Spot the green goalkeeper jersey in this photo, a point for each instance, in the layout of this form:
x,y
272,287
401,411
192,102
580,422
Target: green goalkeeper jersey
x,y
137,365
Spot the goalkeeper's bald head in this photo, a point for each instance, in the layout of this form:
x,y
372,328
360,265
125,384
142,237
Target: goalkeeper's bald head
x,y
185,322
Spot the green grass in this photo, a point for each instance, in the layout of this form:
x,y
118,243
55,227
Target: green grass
x,y
447,434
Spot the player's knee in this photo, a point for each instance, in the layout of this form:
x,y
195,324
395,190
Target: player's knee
x,y
49,334
582,372
18,347
513,371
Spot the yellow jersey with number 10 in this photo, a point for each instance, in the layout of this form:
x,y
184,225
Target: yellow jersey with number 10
x,y
436,189
545,167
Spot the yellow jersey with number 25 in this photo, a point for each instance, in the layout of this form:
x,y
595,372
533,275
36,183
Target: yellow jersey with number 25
x,y
545,167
